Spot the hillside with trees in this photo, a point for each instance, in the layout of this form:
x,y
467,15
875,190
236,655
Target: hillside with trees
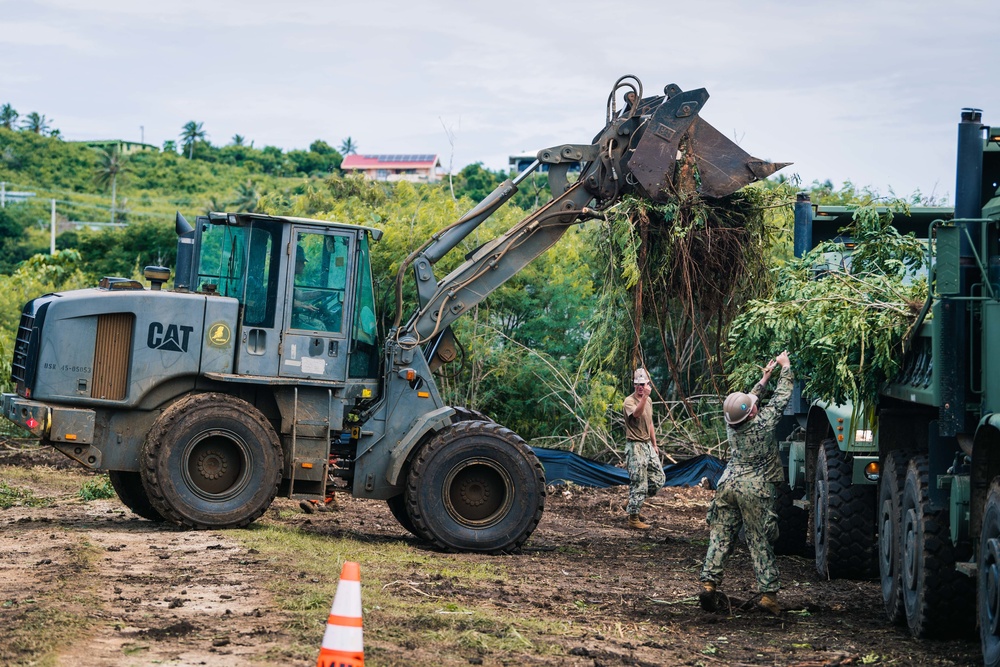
x,y
546,355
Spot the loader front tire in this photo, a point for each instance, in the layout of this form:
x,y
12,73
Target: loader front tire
x,y
476,486
211,461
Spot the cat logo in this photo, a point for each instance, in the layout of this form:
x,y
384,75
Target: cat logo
x,y
219,334
169,337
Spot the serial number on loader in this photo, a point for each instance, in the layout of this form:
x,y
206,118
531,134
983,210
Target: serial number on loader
x,y
72,369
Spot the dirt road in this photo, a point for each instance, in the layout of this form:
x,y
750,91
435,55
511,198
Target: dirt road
x,y
89,583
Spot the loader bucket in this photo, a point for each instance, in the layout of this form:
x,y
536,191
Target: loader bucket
x,y
679,152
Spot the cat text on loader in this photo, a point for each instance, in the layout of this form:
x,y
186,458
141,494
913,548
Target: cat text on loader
x,y
261,371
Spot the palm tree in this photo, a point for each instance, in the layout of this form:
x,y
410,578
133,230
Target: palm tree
x,y
239,140
348,147
190,133
111,165
8,116
214,204
35,122
246,197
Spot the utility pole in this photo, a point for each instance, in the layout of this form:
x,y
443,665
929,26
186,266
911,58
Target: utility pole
x,y
52,243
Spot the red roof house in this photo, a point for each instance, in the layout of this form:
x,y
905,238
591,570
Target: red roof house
x,y
416,168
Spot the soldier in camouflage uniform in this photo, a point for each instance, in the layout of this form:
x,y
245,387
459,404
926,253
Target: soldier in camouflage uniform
x,y
645,472
747,491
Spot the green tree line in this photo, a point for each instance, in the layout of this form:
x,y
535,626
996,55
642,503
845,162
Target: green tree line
x,y
545,354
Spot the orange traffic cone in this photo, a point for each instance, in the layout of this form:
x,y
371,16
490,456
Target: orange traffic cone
x,y
343,645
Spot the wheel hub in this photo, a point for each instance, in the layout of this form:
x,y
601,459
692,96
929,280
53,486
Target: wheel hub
x,y
212,465
909,551
474,491
991,568
217,464
885,538
478,492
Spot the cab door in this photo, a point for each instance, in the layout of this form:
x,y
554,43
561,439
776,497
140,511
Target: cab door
x,y
318,299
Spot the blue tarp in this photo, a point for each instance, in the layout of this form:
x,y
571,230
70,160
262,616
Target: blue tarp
x,y
562,467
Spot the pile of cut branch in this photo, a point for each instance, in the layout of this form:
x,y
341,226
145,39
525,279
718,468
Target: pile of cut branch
x,y
842,313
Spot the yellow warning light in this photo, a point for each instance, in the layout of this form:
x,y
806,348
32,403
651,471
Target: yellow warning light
x,y
307,465
873,471
70,436
411,375
366,393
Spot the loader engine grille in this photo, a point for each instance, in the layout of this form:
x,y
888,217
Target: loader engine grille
x,y
112,354
22,347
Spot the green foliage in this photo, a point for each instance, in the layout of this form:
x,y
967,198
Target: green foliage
x,y
123,251
842,320
98,488
39,275
11,496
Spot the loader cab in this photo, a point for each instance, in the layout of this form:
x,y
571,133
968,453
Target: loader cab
x,y
307,306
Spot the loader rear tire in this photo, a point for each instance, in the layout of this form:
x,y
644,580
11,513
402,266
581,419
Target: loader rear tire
x,y
939,601
476,486
397,505
211,461
890,564
128,486
844,521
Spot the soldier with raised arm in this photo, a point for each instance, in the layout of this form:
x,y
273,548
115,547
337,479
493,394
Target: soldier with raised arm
x,y
747,491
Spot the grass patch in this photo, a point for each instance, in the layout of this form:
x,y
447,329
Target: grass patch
x,y
98,488
12,496
442,603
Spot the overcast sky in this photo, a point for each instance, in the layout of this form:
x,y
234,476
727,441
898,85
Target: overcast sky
x,y
867,91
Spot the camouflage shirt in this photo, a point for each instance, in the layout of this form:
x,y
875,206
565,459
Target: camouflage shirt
x,y
752,450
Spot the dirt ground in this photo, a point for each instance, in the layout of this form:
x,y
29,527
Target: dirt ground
x,y
155,595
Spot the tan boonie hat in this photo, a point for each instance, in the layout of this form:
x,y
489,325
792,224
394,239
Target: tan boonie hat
x,y
640,376
737,407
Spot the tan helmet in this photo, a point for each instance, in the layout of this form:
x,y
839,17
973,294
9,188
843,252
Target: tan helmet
x,y
640,377
737,407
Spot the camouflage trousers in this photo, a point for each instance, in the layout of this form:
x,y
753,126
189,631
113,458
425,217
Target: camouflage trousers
x,y
645,473
750,503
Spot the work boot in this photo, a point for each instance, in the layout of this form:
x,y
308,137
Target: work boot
x,y
709,597
635,522
769,603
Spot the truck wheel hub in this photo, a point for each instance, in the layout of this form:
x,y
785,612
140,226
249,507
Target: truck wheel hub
x,y
992,573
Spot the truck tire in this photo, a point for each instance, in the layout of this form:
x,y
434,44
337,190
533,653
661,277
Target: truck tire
x,y
128,486
844,521
793,523
476,486
937,599
988,579
211,461
890,564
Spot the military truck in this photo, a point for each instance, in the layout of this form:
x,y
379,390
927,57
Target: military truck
x,y
262,371
936,506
